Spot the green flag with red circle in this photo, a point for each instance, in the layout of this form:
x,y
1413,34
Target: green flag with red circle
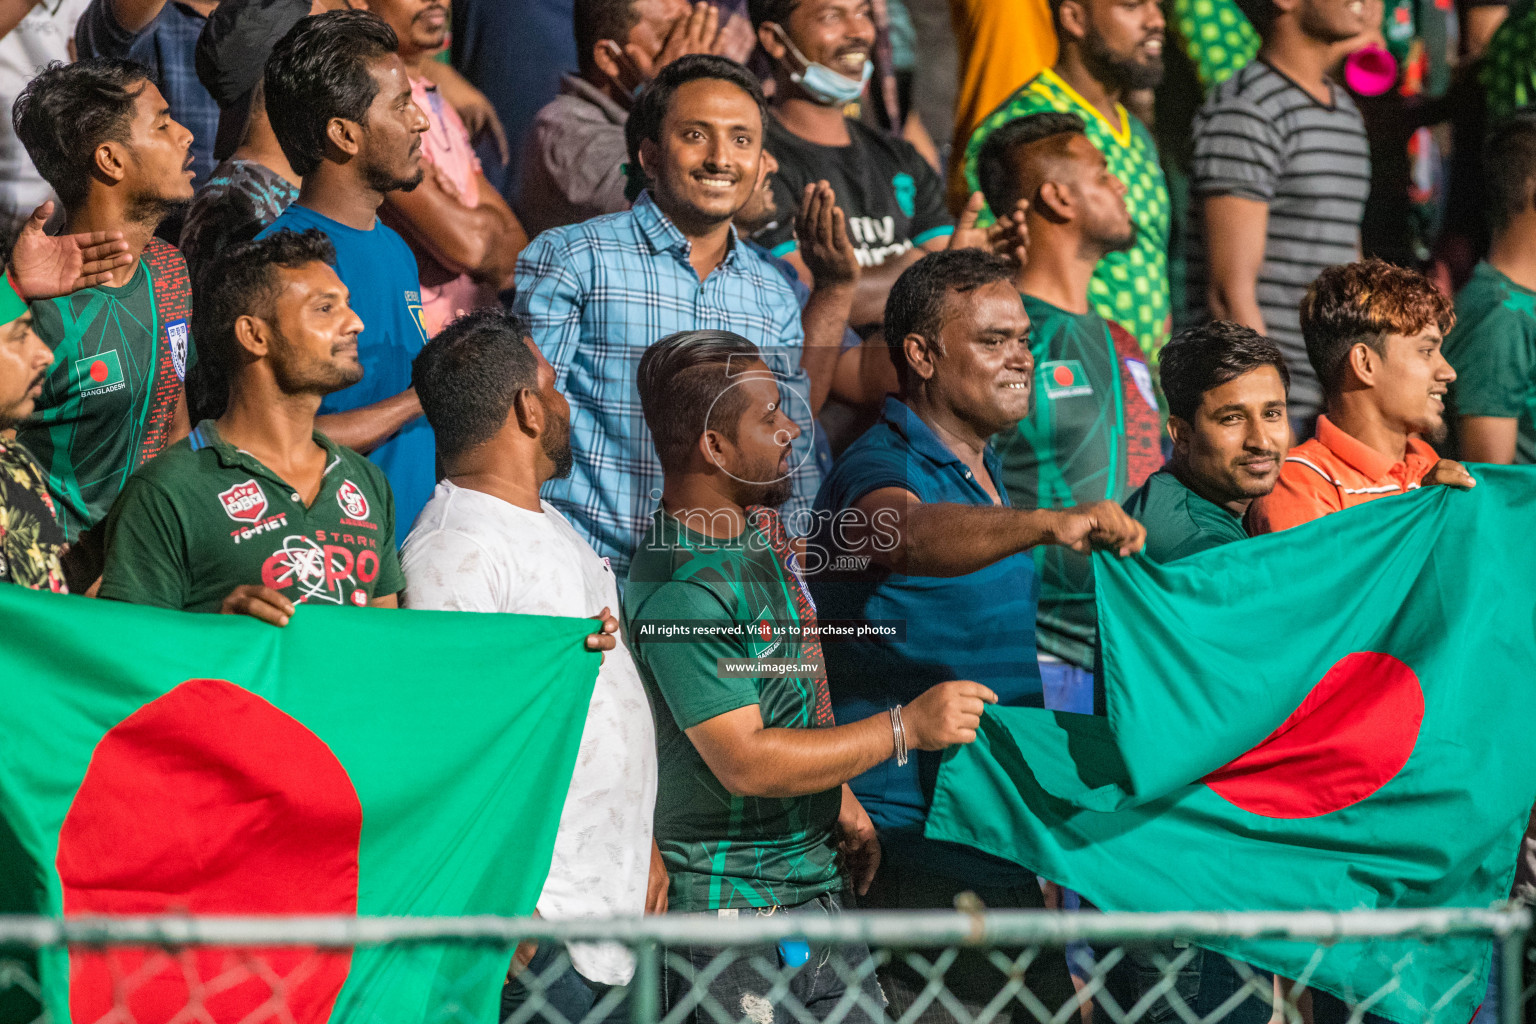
x,y
1335,717
358,761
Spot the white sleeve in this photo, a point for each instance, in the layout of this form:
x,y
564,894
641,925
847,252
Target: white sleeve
x,y
448,571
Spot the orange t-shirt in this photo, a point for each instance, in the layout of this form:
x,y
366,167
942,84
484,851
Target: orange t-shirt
x,y
1335,471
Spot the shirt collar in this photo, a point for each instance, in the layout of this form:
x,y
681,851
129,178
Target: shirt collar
x,y
1360,456
575,85
921,438
206,435
664,236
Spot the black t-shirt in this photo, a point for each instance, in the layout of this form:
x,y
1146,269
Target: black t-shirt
x,y
893,199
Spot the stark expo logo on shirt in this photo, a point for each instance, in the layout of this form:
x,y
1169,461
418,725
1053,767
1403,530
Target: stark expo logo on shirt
x,y
326,573
99,374
1064,378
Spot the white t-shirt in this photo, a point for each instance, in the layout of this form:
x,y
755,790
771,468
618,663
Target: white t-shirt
x,y
471,552
42,37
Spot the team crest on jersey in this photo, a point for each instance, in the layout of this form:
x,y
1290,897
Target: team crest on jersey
x,y
1064,378
352,500
1143,378
244,503
180,338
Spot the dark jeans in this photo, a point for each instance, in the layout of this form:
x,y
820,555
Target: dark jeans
x,y
742,990
564,991
973,979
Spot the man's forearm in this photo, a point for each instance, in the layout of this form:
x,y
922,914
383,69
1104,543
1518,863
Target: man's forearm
x,y
782,763
12,12
824,319
875,285
947,539
1236,301
365,428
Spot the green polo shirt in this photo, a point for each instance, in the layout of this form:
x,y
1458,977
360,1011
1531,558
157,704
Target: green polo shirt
x,y
1493,348
1179,522
206,517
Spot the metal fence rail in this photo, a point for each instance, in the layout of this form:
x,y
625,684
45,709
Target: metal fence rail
x,y
669,988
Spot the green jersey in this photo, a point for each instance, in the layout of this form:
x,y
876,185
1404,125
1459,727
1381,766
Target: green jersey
x,y
206,517
1493,348
1508,71
1217,37
724,851
1179,522
1092,435
109,402
1130,288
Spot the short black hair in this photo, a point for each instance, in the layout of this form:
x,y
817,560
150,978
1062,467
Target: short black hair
x,y
997,163
1509,161
68,110
685,389
243,281
916,302
651,107
776,11
468,376
318,71
601,19
1209,356
1362,303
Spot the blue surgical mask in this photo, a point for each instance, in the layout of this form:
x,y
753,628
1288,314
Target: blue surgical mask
x,y
825,85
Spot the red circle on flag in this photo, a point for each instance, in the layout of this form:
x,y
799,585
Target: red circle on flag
x,y
99,371
1062,375
1351,735
209,800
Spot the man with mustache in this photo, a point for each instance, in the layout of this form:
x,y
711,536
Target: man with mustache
x,y
464,234
486,542
258,511
339,98
1374,334
101,134
1108,49
893,199
1281,173
596,294
1092,433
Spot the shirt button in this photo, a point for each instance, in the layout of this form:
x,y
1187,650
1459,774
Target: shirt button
x,y
968,474
295,495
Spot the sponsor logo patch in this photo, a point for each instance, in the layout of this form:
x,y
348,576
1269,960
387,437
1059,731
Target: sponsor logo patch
x,y
1064,378
352,500
244,503
179,337
1143,378
99,374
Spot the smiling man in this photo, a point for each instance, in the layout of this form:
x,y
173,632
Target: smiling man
x,y
339,99
1108,50
598,293
1374,334
258,511
101,134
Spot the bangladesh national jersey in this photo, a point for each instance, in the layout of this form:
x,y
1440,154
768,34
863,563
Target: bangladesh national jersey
x,y
1493,348
206,517
109,402
1130,288
1179,522
737,599
1092,435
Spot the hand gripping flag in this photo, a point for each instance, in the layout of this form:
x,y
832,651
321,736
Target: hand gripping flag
x,y
1335,717
358,761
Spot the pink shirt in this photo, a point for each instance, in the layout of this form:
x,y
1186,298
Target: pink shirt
x,y
447,147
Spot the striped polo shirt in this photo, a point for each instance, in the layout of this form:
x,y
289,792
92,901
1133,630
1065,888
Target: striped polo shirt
x,y
1261,136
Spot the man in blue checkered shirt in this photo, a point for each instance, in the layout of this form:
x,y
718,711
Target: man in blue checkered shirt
x,y
599,293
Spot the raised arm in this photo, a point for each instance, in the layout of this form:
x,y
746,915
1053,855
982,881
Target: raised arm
x,y
482,241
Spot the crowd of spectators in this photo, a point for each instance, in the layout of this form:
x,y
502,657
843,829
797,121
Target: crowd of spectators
x,y
657,312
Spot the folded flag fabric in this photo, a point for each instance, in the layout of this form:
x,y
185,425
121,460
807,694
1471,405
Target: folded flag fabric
x,y
359,761
1334,717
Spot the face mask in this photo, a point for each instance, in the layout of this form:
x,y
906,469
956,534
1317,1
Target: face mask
x,y
825,85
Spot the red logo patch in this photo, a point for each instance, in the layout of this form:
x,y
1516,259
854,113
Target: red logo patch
x,y
244,503
352,500
1063,375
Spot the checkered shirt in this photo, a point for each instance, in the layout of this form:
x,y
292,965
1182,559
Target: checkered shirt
x,y
598,294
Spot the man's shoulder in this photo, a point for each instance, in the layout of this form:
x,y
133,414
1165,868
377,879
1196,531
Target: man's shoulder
x,y
178,466
880,450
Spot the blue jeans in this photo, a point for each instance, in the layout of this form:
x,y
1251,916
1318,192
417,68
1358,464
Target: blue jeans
x,y
743,988
566,992
1067,687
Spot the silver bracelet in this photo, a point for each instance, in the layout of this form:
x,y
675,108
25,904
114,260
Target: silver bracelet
x,y
899,734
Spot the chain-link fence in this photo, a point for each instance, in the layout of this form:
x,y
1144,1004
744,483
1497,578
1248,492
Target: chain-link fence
x,y
1020,967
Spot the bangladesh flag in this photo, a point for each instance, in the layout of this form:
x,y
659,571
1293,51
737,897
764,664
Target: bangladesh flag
x,y
1335,717
358,761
